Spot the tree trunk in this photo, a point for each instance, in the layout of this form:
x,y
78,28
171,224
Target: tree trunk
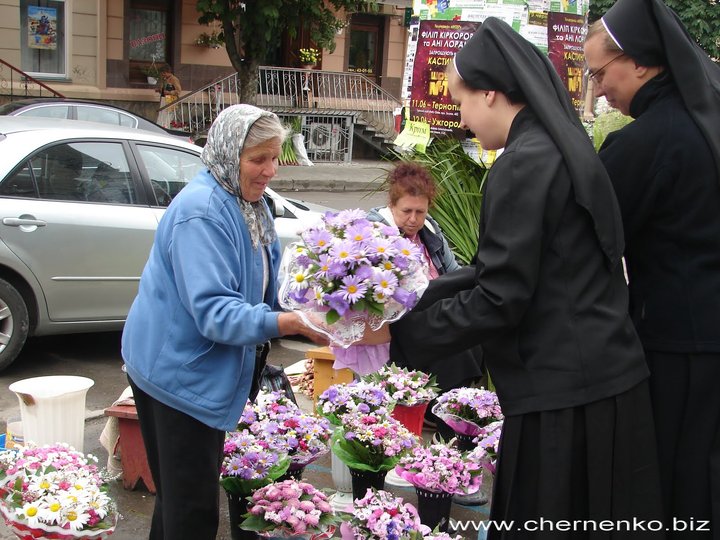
x,y
248,75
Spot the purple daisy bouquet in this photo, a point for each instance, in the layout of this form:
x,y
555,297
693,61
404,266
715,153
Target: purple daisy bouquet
x,y
248,465
281,427
353,273
358,396
440,468
405,387
290,508
371,441
382,516
468,410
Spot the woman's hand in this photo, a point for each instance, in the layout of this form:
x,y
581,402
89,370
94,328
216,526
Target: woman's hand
x,y
291,323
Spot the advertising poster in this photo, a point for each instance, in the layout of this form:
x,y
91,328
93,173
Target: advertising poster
x,y
565,50
430,100
42,28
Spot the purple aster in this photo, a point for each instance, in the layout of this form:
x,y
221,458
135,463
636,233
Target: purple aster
x,y
345,251
318,239
406,298
364,272
359,232
353,289
385,282
338,303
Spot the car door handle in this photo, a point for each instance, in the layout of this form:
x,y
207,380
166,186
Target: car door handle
x,y
20,222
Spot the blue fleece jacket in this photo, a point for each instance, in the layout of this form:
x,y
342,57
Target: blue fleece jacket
x,y
191,334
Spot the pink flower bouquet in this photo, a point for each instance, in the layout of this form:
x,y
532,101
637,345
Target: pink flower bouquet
x,y
441,469
486,450
248,465
382,516
290,508
371,442
405,387
352,273
468,410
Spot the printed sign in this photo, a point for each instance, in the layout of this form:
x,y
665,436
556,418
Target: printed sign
x,y
42,28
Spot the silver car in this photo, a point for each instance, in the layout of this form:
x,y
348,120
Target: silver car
x,y
79,205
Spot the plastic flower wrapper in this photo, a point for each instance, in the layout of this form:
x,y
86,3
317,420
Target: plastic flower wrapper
x,y
404,386
281,427
371,442
379,515
468,410
290,508
247,465
361,396
352,273
53,491
440,468
485,452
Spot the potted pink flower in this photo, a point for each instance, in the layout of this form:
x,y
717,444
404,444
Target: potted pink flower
x,y
358,396
380,515
438,472
467,411
290,509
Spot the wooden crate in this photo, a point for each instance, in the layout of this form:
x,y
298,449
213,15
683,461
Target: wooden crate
x,y
323,372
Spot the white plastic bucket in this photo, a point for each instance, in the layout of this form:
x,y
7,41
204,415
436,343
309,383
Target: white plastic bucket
x,y
53,409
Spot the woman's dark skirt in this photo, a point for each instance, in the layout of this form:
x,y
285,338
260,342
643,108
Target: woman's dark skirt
x,y
584,472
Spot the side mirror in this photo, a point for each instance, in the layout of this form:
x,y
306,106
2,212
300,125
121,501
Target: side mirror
x,y
276,210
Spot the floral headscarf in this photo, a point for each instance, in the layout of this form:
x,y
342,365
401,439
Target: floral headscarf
x,y
221,154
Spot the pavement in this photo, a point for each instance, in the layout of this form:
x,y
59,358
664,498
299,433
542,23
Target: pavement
x,y
360,175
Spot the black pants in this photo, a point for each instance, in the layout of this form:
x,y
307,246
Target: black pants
x,y
686,405
184,457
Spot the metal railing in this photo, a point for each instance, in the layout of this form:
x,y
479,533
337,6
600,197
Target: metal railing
x,y
14,82
288,90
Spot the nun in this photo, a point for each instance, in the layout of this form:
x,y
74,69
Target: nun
x,y
665,168
547,301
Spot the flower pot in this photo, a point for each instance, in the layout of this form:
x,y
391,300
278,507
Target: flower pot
x,y
308,66
465,442
411,416
362,480
237,507
343,498
151,80
434,508
294,472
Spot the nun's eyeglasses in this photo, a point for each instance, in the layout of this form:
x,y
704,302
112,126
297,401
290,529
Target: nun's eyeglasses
x,y
597,75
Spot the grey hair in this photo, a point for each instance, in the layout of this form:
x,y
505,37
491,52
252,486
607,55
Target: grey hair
x,y
264,129
598,29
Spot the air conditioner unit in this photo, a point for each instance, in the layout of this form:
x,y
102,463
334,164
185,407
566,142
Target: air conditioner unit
x,y
320,137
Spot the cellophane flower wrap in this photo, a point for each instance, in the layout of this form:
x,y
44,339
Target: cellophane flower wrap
x,y
280,426
379,515
352,273
405,387
487,448
371,442
468,410
290,508
358,396
442,469
55,492
248,465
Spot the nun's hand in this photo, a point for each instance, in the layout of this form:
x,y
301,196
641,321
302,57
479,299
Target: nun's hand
x,y
375,337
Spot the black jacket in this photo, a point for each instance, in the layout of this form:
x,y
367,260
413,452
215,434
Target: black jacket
x,y
666,183
550,314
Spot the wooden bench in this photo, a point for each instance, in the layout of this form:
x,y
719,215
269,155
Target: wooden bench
x,y
132,448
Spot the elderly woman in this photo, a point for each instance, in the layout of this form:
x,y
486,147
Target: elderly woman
x,y
203,319
411,191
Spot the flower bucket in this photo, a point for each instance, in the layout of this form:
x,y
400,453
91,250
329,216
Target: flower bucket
x,y
434,508
410,416
343,498
49,532
362,480
294,472
465,442
237,507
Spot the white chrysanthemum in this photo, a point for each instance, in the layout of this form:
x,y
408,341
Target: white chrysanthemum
x,y
31,512
51,512
299,279
76,518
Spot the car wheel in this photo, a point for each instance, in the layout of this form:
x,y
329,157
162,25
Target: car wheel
x,y
14,323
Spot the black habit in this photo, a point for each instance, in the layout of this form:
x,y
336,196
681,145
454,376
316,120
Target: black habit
x,y
664,168
548,304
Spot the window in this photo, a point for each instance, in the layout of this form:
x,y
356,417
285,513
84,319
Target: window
x,y
148,30
42,37
104,116
169,170
88,171
48,111
19,184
